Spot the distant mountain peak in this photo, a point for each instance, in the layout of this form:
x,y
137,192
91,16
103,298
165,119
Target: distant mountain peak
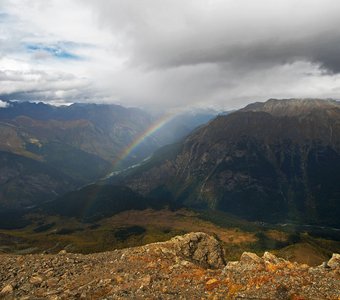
x,y
292,107
271,161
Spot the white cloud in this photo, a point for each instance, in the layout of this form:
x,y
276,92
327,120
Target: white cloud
x,y
171,53
3,104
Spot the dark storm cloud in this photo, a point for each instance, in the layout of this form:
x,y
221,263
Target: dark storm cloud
x,y
161,34
228,52
171,53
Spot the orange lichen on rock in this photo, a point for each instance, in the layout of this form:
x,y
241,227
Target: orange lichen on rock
x,y
211,284
169,270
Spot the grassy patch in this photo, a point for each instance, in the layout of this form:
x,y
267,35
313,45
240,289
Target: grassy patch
x,y
140,227
124,233
44,227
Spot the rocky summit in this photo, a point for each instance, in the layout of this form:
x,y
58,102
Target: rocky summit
x,y
186,267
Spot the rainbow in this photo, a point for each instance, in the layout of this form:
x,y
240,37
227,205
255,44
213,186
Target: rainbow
x,y
141,137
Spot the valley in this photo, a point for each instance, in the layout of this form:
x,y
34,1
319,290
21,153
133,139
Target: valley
x,y
253,186
146,202
276,161
51,234
68,147
185,150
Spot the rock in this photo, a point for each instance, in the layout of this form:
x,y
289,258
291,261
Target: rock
x,y
250,261
271,258
26,287
231,265
211,284
62,252
105,281
146,281
325,265
186,263
8,289
52,282
334,262
251,258
119,279
282,292
200,248
36,280
144,274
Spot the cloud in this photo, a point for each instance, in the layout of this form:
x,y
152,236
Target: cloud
x,y
3,104
39,85
219,53
173,33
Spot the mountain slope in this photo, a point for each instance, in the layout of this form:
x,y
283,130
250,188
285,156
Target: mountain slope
x,y
24,181
95,202
181,125
101,130
81,142
67,146
278,161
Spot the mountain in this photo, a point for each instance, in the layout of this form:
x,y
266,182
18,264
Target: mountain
x,y
46,150
97,129
292,107
24,181
183,124
277,161
71,146
95,202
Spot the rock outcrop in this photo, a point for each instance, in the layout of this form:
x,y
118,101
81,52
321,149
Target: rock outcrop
x,y
199,248
186,267
270,277
334,262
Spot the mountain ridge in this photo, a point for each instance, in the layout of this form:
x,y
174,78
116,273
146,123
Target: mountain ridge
x,y
83,141
292,107
256,165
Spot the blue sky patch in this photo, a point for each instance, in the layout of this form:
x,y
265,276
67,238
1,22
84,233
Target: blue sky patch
x,y
56,51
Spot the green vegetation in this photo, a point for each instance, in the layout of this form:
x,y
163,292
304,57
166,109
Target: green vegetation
x,y
80,165
139,227
26,182
44,227
124,233
95,202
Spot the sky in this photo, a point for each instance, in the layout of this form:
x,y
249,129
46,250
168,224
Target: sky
x,y
169,54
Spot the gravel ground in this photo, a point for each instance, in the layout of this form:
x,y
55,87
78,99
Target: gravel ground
x,y
186,267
